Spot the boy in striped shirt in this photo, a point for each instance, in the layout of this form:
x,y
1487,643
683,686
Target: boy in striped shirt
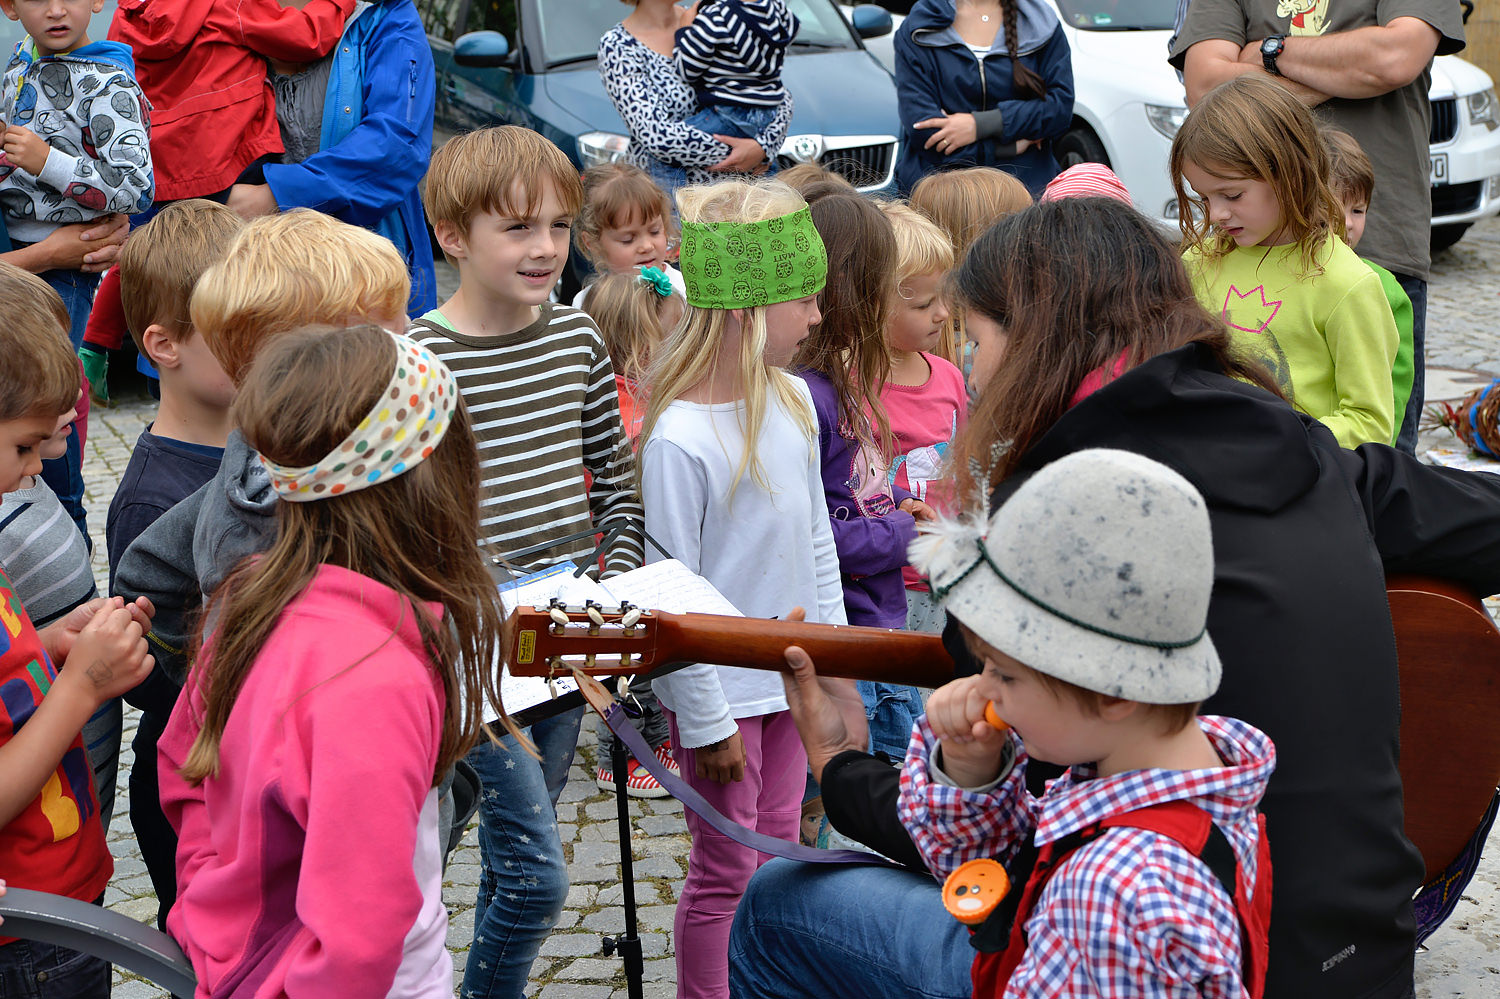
x,y
540,390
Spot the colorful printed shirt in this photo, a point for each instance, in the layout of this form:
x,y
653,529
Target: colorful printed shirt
x,y
924,420
87,106
56,844
1131,914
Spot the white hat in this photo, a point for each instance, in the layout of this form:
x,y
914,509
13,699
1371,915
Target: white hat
x,y
1097,571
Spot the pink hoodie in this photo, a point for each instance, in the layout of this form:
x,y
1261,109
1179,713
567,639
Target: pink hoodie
x,y
310,864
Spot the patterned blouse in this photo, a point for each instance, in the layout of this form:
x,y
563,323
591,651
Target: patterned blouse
x,y
654,102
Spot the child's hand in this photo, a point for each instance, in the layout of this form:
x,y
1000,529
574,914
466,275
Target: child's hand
x,y
60,636
686,14
1024,144
921,511
971,747
110,655
722,761
25,148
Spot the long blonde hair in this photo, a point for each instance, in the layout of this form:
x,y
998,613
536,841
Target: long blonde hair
x,y
1254,128
692,350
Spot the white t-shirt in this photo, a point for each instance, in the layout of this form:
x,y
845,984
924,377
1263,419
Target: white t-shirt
x,y
766,550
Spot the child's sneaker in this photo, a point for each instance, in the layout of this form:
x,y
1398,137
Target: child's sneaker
x,y
664,754
639,783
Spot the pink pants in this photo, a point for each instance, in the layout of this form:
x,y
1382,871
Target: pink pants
x,y
768,800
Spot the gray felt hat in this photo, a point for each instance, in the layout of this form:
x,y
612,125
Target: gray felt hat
x,y
1097,571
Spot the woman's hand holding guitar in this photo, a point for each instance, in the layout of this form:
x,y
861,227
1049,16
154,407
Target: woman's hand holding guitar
x,y
828,711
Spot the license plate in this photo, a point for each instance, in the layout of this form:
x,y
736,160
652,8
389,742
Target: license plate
x,y
1439,167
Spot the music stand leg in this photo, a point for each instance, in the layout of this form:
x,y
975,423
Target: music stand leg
x,y
629,943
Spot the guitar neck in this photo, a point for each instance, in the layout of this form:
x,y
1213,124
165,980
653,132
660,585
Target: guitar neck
x,y
882,655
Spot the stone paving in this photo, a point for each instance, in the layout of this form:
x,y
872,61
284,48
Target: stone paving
x,y
1462,959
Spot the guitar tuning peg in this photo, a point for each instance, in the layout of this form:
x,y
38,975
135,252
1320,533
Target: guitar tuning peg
x,y
594,614
632,616
622,687
624,658
588,661
555,602
558,615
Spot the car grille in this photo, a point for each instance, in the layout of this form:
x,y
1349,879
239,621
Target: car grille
x,y
1455,199
864,166
1444,120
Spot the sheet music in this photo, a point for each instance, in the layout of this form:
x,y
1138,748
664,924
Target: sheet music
x,y
669,586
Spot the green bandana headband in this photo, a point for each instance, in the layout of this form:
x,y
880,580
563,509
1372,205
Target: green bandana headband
x,y
739,265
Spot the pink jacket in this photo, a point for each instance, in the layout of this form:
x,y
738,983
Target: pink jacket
x,y
305,866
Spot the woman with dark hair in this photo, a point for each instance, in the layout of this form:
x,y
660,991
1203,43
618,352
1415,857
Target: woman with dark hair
x,y
1088,335
982,83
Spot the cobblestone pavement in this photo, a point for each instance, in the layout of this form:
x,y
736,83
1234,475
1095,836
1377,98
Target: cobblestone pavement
x,y
1462,959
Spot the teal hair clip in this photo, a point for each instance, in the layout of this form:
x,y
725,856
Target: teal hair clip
x,y
658,280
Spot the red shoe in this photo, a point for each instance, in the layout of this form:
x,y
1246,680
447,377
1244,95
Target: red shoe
x,y
639,784
664,753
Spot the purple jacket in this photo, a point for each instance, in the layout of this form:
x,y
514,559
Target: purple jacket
x,y
870,533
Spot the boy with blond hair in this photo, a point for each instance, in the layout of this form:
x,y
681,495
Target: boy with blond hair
x,y
540,390
51,838
174,456
279,273
1352,178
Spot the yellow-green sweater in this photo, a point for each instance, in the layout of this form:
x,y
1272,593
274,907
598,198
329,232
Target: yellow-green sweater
x,y
1328,336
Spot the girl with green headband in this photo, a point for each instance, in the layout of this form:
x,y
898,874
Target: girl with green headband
x,y
730,483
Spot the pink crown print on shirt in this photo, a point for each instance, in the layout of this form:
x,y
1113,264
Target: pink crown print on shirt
x,y
1246,314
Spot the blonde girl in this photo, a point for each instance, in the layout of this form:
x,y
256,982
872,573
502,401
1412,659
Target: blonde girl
x,y
1266,254
964,203
626,223
634,311
925,396
342,680
729,479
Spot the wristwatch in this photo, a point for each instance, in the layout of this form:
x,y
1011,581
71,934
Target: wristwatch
x,y
1269,50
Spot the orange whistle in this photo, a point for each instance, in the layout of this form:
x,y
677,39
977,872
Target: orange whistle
x,y
993,717
974,889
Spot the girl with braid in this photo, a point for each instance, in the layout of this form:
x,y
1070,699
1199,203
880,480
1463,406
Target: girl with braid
x,y
982,83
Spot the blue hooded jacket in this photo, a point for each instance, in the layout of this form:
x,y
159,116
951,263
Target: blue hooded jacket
x,y
937,74
377,139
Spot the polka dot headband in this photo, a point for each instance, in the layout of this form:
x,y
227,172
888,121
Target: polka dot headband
x,y
400,431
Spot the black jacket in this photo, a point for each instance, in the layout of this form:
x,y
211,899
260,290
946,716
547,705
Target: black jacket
x,y
1303,531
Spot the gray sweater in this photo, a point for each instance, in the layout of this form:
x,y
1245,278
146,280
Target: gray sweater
x,y
43,554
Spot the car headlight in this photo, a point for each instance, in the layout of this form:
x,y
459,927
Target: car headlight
x,y
1482,110
595,148
1166,119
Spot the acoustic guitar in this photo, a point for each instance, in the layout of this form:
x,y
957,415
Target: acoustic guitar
x,y
1448,649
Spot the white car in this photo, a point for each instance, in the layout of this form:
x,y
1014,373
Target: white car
x,y
1128,104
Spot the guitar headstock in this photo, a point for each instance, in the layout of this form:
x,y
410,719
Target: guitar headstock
x,y
602,641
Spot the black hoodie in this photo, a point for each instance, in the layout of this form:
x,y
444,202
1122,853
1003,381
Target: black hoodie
x,y
1303,533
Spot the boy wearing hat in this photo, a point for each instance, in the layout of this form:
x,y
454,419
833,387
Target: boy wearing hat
x,y
1143,869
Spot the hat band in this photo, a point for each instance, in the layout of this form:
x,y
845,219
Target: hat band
x,y
400,431
941,592
741,265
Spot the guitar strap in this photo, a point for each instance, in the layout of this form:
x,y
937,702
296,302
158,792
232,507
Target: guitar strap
x,y
680,789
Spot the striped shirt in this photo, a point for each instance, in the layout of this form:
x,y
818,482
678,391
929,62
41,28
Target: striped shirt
x,y
732,52
543,405
44,554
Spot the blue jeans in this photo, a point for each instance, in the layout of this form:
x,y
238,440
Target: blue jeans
x,y
815,930
523,879
64,476
739,120
33,970
1416,290
891,709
